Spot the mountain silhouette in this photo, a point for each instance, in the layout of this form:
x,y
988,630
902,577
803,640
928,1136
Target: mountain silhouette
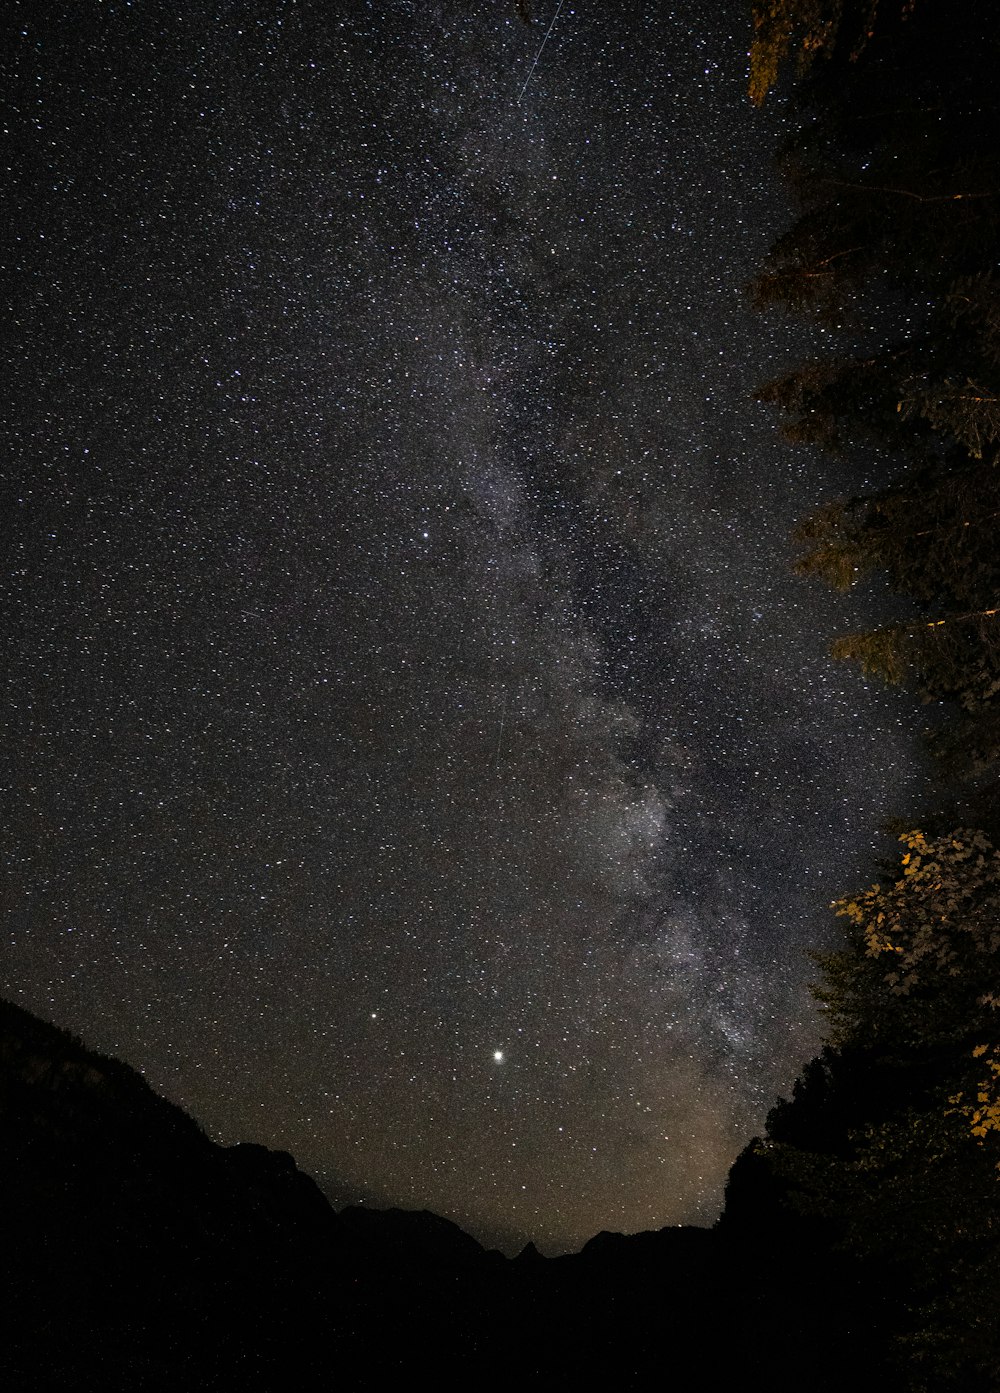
x,y
140,1255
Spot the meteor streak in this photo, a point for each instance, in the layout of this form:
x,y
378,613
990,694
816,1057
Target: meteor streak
x,y
541,49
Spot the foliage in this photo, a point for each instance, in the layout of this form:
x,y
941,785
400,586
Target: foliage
x,y
932,537
930,939
892,1136
804,29
961,398
896,168
828,402
955,658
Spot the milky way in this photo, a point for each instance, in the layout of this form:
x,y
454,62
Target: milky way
x,y
417,754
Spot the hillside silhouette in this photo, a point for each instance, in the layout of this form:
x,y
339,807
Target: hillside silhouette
x,y
139,1254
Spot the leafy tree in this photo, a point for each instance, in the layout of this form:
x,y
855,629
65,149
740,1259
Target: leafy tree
x,y
922,963
892,1136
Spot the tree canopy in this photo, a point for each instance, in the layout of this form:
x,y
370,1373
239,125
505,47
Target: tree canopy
x,y
890,1141
800,31
895,165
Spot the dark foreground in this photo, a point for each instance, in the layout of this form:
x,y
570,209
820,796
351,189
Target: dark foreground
x,y
137,1254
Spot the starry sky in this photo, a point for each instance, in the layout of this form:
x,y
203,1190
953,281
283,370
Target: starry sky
x,y
416,753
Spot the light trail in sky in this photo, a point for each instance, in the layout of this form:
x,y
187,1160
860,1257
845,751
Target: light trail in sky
x,y
541,50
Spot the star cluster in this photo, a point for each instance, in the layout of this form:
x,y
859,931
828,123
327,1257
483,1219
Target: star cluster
x,y
416,754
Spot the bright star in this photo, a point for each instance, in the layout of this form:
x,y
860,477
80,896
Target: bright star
x,y
498,1056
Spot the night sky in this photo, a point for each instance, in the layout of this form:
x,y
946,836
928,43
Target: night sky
x,y
416,753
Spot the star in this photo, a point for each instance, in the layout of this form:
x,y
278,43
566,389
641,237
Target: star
x,y
289,770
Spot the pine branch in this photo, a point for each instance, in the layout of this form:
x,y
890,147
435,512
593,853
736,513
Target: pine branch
x,y
908,193
952,619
